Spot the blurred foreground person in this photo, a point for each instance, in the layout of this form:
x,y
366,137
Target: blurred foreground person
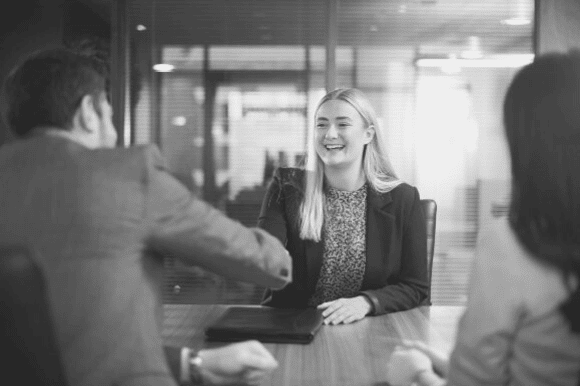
x,y
101,219
522,321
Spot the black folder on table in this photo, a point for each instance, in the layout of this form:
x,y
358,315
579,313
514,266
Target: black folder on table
x,y
266,324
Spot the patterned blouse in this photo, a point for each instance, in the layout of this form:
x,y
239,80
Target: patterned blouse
x,y
344,251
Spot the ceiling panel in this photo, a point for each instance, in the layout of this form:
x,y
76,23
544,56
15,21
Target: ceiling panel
x,y
428,25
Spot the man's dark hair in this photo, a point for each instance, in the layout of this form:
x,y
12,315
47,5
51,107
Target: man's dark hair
x,y
47,89
98,49
542,123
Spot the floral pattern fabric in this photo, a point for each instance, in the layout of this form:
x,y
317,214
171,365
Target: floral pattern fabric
x,y
344,240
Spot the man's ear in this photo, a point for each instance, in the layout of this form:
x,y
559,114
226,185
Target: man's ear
x,y
88,118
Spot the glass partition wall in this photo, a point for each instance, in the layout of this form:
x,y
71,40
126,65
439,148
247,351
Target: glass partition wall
x,y
227,90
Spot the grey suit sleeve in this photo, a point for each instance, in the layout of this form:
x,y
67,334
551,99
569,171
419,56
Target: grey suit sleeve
x,y
198,234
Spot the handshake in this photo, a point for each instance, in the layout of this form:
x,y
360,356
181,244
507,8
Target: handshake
x,y
415,363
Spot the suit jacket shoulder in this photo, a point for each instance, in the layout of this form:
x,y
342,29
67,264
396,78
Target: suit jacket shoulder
x,y
290,176
140,155
404,191
136,163
401,199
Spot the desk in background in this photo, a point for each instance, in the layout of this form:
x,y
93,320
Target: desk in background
x,y
354,354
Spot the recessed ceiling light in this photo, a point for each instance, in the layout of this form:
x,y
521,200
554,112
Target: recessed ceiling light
x,y
492,61
163,67
521,13
179,121
516,21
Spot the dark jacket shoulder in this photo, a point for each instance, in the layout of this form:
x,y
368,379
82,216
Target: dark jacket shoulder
x,y
290,175
290,179
402,199
405,191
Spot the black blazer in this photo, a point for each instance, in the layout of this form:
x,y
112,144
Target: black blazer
x,y
395,277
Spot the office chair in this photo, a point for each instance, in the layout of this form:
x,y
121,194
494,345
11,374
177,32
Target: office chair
x,y
27,341
430,211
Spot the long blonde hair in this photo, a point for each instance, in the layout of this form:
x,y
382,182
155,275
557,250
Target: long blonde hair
x,y
377,168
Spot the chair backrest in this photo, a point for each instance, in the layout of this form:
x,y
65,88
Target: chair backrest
x,y
430,211
27,341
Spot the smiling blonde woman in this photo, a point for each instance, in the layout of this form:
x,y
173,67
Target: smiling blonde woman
x,y
356,233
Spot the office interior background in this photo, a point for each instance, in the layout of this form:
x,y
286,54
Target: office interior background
x,y
227,90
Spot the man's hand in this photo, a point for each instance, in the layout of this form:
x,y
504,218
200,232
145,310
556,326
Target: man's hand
x,y
244,363
277,260
345,310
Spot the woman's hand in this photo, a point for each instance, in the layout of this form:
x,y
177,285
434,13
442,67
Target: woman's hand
x,y
406,365
345,310
440,361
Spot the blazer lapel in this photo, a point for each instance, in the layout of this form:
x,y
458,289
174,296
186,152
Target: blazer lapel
x,y
313,252
378,201
379,225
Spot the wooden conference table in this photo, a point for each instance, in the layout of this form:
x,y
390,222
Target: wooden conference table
x,y
354,354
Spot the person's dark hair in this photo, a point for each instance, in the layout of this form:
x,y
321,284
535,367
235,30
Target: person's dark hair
x,y
542,124
96,48
47,88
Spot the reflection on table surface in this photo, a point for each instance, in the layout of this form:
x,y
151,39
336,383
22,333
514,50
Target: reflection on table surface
x,y
354,354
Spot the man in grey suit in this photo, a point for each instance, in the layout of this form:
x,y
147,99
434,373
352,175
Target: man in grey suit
x,y
100,218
